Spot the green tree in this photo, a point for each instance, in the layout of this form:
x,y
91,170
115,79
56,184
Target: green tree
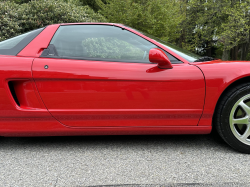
x,y
158,17
92,3
19,1
223,24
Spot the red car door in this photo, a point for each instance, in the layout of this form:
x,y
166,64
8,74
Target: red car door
x,y
84,88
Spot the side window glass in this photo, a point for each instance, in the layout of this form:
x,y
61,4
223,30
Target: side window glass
x,y
111,48
99,42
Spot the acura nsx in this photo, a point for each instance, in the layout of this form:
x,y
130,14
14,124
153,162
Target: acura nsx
x,y
110,79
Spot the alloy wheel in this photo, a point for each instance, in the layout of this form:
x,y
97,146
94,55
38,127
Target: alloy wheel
x,y
239,119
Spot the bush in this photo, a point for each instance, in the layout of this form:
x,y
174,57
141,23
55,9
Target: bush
x,y
16,19
20,1
92,3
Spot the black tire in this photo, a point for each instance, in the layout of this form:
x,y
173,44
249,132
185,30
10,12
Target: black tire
x,y
229,111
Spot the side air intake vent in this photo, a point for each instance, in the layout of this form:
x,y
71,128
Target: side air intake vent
x,y
12,90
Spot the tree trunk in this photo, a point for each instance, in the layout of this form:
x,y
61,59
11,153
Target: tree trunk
x,y
209,51
236,52
243,51
247,50
225,55
248,45
232,53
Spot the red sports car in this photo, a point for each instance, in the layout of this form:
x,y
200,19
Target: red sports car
x,y
106,79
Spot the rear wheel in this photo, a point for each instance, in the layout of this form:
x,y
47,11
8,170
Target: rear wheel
x,y
232,118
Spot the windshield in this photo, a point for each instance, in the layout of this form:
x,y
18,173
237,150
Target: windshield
x,y
187,55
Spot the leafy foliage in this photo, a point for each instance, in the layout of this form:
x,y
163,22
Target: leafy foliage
x,y
223,24
92,3
219,28
20,1
16,19
158,17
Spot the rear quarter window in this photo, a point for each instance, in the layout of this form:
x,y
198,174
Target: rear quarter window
x,y
14,45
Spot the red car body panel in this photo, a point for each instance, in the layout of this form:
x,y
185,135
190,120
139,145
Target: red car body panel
x,y
31,113
84,93
41,42
219,75
79,97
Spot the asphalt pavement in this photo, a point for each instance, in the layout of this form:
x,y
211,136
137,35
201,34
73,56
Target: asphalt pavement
x,y
171,160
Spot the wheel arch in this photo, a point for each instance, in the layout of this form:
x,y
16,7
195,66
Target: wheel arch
x,y
229,87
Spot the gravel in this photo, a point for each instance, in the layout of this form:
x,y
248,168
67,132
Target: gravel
x,y
184,160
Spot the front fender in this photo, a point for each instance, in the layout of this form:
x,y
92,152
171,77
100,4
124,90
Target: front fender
x,y
219,75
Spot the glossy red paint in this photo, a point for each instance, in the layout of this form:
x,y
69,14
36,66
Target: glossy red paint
x,y
41,42
158,56
79,97
84,93
219,75
24,89
30,113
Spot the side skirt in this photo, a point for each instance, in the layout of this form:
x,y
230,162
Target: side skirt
x,y
107,131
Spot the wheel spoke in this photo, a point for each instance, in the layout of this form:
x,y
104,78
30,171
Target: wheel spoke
x,y
245,107
239,119
246,133
243,120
